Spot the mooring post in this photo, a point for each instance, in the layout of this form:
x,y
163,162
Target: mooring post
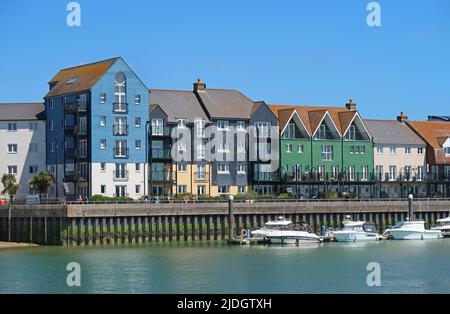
x,y
410,207
231,221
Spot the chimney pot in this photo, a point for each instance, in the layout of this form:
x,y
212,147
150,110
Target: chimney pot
x,y
402,117
199,85
351,106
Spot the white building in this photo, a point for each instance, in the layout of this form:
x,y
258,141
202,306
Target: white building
x,y
22,142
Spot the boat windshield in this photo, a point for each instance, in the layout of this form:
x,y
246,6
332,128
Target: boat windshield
x,y
398,225
369,227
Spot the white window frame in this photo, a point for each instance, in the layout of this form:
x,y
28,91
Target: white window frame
x,y
223,125
181,123
182,188
103,144
181,168
220,189
223,168
201,151
241,168
407,150
12,167
12,151
392,150
102,121
380,150
138,144
300,148
327,152
240,125
137,122
288,148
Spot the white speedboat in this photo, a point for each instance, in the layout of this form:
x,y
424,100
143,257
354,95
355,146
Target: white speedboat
x,y
412,230
356,231
270,226
444,226
292,236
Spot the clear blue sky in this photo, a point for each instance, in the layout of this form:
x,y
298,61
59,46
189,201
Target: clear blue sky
x,y
287,52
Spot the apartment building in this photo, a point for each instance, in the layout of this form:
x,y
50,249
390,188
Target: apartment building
x,y
324,149
436,135
96,119
22,138
399,158
230,113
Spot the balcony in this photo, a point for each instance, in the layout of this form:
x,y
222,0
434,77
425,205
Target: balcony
x,y
70,153
120,107
266,176
76,107
120,152
120,175
162,176
120,129
201,176
75,176
160,131
161,154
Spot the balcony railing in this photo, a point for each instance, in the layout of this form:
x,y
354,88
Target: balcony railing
x,y
120,175
75,176
120,107
201,176
266,176
75,107
160,131
329,135
162,176
120,129
161,154
356,136
120,152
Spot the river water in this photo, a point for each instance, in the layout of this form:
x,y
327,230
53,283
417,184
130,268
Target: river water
x,y
405,267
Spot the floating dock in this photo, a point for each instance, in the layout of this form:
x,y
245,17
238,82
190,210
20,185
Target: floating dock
x,y
247,241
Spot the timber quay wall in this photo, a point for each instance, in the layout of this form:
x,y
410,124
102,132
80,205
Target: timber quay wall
x,y
133,223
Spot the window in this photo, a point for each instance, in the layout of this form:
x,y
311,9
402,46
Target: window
x,y
52,147
157,127
120,126
201,151
102,120
241,168
327,152
334,172
103,144
420,150
137,99
201,173
12,148
241,189
321,132
407,172
223,125
288,148
181,123
64,101
182,189
447,151
137,144
137,122
392,173
12,127
223,168
263,129
137,189
52,104
33,126
357,150
420,172
120,86
379,172
223,189
240,125
351,173
137,167
103,166
121,171
201,189
407,150
34,147
363,150
182,147
33,169
51,125
241,148
12,170
351,133
200,128
182,167
392,150
102,98
102,189
120,149
290,131
379,150
352,150
300,148
364,172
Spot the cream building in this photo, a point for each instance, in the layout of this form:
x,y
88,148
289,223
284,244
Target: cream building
x,y
399,158
22,142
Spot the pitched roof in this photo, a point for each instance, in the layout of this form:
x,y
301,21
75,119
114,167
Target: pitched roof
x,y
226,103
312,116
392,132
431,131
21,111
84,77
177,104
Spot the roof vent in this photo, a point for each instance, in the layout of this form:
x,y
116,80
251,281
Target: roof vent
x,y
199,85
72,80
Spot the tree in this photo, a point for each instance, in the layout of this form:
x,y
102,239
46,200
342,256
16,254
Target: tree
x,y
41,182
10,186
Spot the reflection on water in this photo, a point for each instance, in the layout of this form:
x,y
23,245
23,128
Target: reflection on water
x,y
406,266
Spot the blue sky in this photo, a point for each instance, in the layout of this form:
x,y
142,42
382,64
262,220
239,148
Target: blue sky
x,y
317,52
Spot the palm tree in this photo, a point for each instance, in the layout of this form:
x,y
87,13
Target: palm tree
x,y
10,186
41,182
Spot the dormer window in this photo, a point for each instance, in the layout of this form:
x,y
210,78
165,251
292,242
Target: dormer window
x,y
351,133
447,151
322,132
181,123
223,125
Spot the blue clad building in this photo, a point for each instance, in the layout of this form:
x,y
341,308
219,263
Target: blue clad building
x,y
96,138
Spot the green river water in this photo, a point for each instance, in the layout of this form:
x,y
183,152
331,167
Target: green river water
x,y
406,267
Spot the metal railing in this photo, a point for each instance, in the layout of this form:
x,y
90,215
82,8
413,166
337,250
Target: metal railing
x,y
160,131
161,154
120,152
75,106
162,176
120,129
266,176
120,107
120,175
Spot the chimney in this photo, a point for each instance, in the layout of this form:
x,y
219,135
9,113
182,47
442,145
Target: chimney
x,y
199,85
351,105
402,117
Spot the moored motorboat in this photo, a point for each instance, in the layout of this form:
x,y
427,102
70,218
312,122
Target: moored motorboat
x,y
292,236
444,226
412,230
356,231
